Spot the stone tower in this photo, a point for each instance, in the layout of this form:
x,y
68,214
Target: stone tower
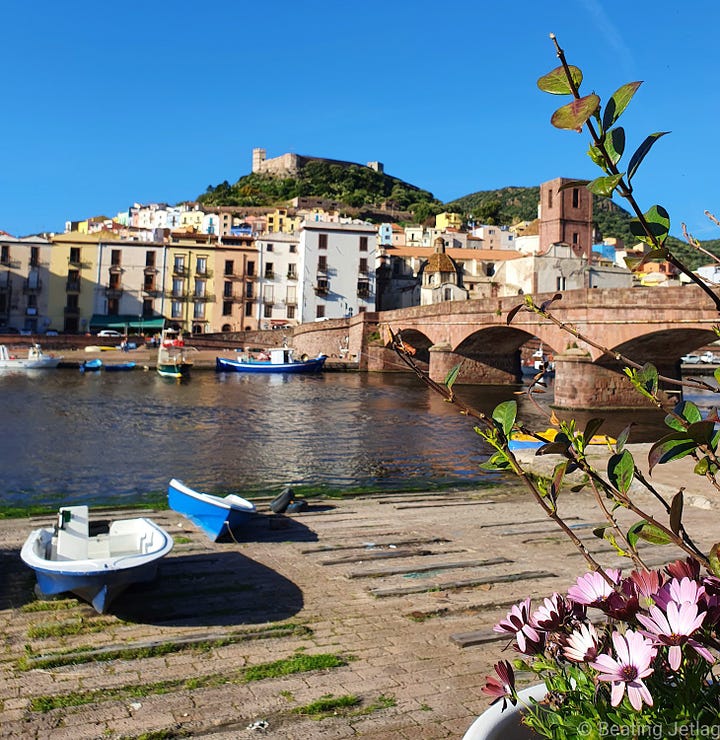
x,y
566,216
258,157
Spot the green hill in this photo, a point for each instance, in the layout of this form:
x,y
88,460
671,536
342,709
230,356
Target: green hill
x,y
365,191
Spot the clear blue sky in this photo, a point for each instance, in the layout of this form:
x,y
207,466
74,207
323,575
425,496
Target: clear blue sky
x,y
108,103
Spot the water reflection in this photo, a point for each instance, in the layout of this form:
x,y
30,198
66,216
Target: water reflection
x,y
119,436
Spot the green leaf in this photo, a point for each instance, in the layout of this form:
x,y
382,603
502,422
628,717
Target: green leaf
x,y
701,432
598,158
572,184
648,532
591,429
670,447
716,374
618,102
556,82
621,470
605,186
505,414
715,559
623,437
676,509
574,115
646,380
452,375
658,224
686,410
702,466
641,151
615,144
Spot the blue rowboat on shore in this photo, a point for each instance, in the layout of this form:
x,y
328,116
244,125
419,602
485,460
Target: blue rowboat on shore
x,y
278,360
215,515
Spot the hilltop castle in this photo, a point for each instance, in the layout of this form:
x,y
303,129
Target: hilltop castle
x,y
289,165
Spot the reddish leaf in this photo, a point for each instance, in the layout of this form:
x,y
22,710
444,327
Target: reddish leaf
x,y
574,115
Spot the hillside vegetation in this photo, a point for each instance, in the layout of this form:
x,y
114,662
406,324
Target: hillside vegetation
x,y
359,187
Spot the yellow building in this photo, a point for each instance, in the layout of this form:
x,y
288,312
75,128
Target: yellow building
x,y
444,221
282,220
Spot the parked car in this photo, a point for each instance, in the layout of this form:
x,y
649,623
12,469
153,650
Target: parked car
x,y
709,357
690,359
109,333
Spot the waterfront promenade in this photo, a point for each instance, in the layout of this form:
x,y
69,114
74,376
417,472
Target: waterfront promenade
x,y
398,592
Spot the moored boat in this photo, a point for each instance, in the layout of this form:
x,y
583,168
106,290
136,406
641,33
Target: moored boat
x,y
36,359
120,366
94,364
278,360
96,568
172,359
215,515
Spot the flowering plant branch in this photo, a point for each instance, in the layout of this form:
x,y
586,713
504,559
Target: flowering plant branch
x,y
618,655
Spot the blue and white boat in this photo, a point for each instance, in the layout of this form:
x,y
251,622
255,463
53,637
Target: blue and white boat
x,y
120,366
94,364
215,515
278,360
96,568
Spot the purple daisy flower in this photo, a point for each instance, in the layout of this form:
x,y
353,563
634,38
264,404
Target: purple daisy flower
x,y
504,688
592,589
635,655
518,623
582,644
674,628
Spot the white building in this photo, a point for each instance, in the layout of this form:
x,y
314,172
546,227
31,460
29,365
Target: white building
x,y
278,286
336,270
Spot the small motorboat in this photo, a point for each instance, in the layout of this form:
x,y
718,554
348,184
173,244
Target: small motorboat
x,y
521,441
36,359
172,360
215,515
91,365
96,568
119,366
278,360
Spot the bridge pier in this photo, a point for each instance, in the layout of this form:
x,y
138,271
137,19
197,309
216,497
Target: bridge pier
x,y
476,370
582,384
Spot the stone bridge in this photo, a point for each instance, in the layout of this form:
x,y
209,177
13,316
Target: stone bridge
x,y
656,325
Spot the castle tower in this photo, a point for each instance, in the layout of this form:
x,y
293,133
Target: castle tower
x,y
566,216
258,157
377,166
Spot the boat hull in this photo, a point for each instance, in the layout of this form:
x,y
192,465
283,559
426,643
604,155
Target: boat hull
x,y
98,579
216,516
174,369
120,366
315,365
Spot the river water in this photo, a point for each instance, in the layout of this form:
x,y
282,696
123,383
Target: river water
x,y
114,438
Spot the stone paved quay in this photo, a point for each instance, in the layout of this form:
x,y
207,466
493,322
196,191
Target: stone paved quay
x,y
404,588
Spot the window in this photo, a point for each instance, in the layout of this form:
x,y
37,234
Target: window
x,y
559,283
149,282
269,248
113,307
248,309
115,257
150,259
363,243
292,271
575,197
199,311
179,264
268,294
363,266
200,288
293,248
291,295
550,199
5,254
269,272
575,237
227,289
447,294
322,263
322,241
320,312
75,255
114,283
250,269
177,287
267,311
227,308
249,290
201,266
229,267
147,309
291,312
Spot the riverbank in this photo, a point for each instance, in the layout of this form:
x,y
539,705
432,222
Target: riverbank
x,y
383,603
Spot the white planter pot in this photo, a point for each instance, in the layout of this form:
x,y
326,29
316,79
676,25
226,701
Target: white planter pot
x,y
494,724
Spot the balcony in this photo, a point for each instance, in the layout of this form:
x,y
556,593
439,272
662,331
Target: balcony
x,y
179,270
269,275
7,262
321,287
151,290
292,276
204,273
203,298
363,290
72,286
150,270
33,289
113,291
115,269
177,295
77,263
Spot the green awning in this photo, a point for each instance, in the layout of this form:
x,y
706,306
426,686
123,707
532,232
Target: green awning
x,y
127,321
